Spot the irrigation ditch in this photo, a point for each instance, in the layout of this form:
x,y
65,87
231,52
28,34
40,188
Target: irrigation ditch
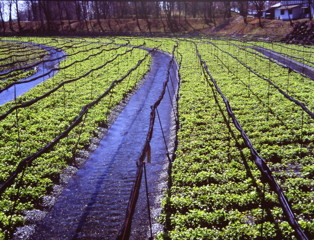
x,y
113,187
113,190
292,64
45,70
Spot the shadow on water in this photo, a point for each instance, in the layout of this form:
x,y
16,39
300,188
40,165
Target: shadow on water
x,y
93,204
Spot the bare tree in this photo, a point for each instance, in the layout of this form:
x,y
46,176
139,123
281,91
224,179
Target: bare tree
x,y
145,14
18,15
35,10
84,8
211,12
137,16
243,8
28,10
227,10
45,14
10,16
194,9
310,3
78,10
2,16
259,6
98,13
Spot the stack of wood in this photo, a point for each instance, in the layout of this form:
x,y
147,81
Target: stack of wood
x,y
302,33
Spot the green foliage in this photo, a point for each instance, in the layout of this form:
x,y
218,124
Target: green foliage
x,y
27,130
217,191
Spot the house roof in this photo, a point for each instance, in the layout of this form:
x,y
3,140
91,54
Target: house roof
x,y
276,5
289,7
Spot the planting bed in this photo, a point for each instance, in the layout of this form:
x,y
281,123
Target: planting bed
x,y
244,164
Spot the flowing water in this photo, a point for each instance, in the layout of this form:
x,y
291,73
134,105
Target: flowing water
x,y
19,89
94,202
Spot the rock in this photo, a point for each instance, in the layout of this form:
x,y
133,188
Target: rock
x,y
24,233
302,33
34,216
67,174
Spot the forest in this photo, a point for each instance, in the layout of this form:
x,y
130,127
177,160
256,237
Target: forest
x,y
15,15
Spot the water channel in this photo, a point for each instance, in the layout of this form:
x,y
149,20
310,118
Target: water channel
x,y
51,61
93,204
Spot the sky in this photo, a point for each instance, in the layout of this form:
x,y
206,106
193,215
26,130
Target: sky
x,y
6,9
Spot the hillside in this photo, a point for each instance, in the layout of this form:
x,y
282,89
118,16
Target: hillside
x,y
231,27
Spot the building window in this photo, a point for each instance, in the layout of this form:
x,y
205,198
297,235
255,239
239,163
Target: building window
x,y
290,11
282,12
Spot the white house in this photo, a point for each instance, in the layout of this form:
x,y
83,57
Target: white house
x,y
289,10
270,12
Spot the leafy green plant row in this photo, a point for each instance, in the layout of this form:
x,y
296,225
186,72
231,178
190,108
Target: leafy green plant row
x,y
21,132
16,76
217,191
72,61
301,149
303,54
266,173
7,82
293,121
289,84
299,53
289,161
13,60
209,178
17,47
62,84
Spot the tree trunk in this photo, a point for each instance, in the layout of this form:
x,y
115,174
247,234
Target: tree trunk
x,y
10,16
194,9
136,15
179,9
185,10
162,21
78,11
259,6
41,17
68,15
34,11
98,17
157,10
60,15
45,10
213,15
29,11
85,17
205,13
2,19
227,10
18,16
260,21
144,10
243,6
310,8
